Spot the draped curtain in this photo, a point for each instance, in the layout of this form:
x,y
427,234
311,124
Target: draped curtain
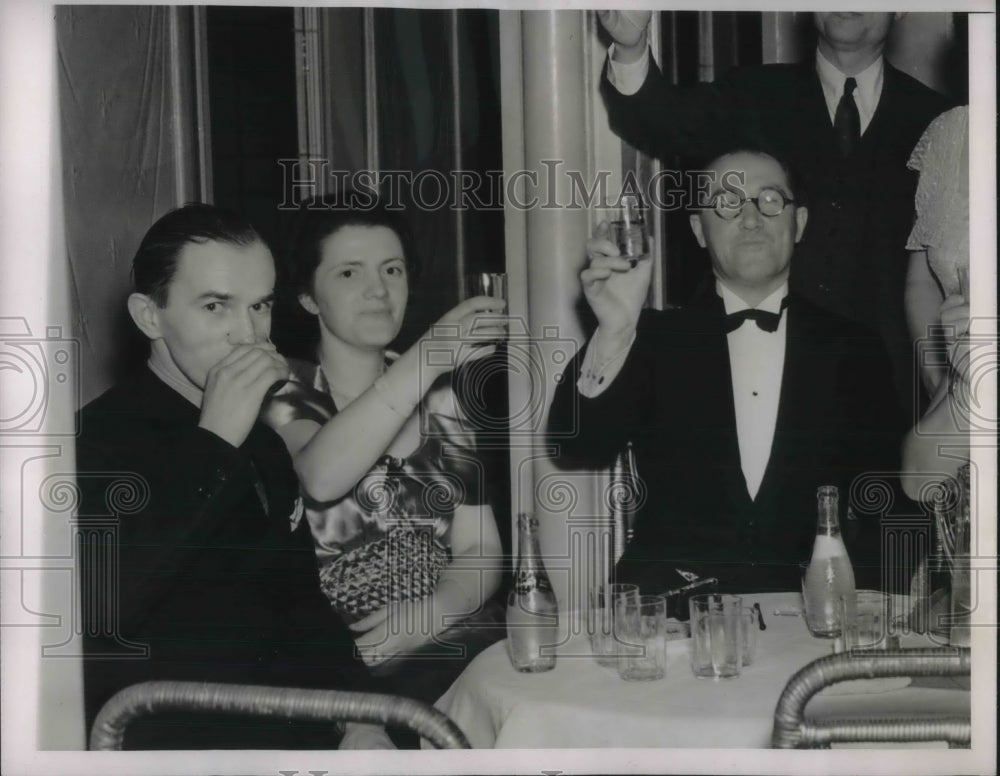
x,y
129,154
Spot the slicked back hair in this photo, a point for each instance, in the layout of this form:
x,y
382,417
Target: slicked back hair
x,y
155,262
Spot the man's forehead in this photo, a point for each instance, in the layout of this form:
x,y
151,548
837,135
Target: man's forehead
x,y
213,262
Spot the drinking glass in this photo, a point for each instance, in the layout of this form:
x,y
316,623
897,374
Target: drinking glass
x,y
748,625
716,635
602,603
864,621
642,634
492,284
632,239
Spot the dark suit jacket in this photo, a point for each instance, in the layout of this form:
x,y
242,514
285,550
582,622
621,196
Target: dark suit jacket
x,y
216,588
673,399
851,259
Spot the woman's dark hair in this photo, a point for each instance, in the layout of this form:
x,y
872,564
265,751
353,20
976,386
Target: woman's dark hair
x,y
155,262
321,217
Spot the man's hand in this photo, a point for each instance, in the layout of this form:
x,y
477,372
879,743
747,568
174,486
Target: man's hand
x,y
615,288
359,736
628,30
235,390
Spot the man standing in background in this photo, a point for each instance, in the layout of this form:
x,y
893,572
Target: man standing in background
x,y
845,119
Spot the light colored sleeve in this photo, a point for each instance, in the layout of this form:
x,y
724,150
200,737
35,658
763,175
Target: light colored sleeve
x,y
627,79
597,372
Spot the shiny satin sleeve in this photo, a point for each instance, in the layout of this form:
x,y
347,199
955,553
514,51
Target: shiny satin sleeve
x,y
299,399
450,446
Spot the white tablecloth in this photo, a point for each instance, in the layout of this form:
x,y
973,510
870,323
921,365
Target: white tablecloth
x,y
581,704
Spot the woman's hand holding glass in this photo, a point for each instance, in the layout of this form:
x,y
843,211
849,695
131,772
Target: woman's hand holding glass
x,y
468,332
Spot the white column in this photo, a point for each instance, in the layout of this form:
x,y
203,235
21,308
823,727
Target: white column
x,y
782,38
42,702
554,124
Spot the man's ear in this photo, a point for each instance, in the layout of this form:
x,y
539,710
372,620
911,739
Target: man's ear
x,y
801,217
699,235
308,304
145,313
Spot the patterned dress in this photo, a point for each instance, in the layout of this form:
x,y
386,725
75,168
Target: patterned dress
x,y
389,538
942,200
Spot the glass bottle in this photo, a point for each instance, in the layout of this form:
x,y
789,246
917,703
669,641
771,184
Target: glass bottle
x,y
532,612
829,574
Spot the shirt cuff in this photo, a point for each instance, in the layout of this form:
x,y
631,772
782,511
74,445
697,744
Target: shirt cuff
x,y
627,78
597,374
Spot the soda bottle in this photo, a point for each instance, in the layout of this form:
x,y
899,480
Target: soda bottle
x,y
829,574
532,612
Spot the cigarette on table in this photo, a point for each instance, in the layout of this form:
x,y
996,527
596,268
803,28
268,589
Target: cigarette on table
x,y
692,586
788,612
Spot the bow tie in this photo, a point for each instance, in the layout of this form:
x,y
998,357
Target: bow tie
x,y
765,320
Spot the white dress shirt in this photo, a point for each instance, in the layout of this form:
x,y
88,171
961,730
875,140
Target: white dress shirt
x,y
756,361
628,78
866,95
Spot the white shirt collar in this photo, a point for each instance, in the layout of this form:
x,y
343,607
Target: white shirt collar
x,y
734,303
866,95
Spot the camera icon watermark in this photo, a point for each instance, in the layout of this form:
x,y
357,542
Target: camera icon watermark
x,y
968,360
535,364
37,373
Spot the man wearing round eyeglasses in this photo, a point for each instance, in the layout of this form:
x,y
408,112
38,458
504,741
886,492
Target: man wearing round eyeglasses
x,y
750,243
844,116
738,407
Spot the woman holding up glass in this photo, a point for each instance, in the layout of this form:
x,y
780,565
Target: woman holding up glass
x,y
407,544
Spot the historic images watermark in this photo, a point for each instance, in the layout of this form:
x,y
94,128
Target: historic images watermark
x,y
552,187
968,360
537,363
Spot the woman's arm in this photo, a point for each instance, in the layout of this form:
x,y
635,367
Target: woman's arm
x,y
469,580
922,299
330,461
936,447
477,555
939,443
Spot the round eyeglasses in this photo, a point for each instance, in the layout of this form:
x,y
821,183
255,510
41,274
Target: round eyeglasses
x,y
769,202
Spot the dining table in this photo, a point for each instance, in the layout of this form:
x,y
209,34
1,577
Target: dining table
x,y
581,704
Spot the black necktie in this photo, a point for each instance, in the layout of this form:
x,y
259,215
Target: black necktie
x,y
765,320
846,121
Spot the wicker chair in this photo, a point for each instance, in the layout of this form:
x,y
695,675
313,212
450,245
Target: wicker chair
x,y
793,731
148,698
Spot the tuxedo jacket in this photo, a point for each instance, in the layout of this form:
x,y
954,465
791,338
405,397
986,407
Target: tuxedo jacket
x,y
852,257
673,400
203,577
